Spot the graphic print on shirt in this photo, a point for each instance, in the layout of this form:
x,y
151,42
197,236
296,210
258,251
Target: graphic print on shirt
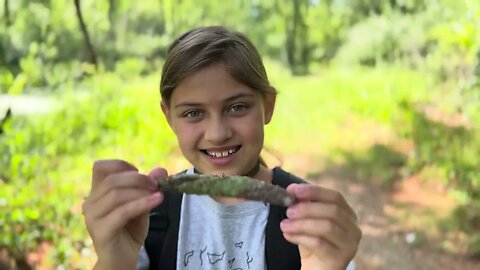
x,y
249,260
230,263
187,257
201,253
215,258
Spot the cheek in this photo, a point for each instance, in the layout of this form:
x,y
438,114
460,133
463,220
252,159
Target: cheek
x,y
187,135
257,135
252,130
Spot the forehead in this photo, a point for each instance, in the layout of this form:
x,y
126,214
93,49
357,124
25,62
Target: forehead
x,y
210,84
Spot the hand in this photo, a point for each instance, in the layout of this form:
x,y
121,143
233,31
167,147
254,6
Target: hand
x,y
324,227
117,211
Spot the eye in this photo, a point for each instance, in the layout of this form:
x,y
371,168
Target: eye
x,y
238,108
192,114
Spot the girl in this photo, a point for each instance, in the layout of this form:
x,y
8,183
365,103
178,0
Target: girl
x,y
216,98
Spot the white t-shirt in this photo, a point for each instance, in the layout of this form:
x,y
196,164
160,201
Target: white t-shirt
x,y
218,236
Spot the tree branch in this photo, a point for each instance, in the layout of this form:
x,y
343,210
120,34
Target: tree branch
x,y
92,57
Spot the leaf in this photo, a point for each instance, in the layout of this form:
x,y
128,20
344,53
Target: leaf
x,y
18,85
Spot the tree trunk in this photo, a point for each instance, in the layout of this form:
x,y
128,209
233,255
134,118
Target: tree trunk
x,y
112,10
6,10
92,57
304,53
297,39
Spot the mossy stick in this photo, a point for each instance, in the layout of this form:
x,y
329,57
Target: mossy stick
x,y
227,186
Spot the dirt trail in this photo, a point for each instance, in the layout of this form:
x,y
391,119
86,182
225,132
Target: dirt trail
x,y
26,104
382,247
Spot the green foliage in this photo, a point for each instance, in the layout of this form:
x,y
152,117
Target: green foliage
x,y
453,148
447,135
378,163
442,39
391,38
6,80
335,102
41,155
375,67
448,147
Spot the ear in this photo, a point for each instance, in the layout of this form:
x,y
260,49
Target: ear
x,y
166,112
269,105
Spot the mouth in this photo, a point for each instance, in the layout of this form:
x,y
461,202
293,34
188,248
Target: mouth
x,y
221,152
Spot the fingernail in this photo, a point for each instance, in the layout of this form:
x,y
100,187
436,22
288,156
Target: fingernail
x,y
302,190
153,185
292,212
285,225
292,186
154,197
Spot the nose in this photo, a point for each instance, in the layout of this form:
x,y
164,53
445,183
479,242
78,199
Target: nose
x,y
218,131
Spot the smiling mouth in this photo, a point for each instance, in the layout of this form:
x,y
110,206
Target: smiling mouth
x,y
221,153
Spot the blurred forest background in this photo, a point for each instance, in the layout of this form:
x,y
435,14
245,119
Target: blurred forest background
x,y
387,92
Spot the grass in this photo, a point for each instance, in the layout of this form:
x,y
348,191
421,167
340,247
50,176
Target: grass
x,y
335,107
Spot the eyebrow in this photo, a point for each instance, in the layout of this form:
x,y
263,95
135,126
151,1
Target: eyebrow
x,y
229,99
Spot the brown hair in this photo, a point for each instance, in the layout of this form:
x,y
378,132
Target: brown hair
x,y
204,46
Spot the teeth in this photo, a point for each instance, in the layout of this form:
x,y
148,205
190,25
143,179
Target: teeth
x,y
221,154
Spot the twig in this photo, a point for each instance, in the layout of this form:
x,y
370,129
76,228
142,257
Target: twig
x,y
227,186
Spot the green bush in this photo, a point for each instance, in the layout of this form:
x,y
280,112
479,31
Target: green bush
x,y
46,160
449,148
385,38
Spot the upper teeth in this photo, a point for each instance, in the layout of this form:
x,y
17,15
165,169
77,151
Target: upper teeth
x,y
221,154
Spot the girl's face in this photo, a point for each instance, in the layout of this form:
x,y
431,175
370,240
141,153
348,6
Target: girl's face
x,y
218,121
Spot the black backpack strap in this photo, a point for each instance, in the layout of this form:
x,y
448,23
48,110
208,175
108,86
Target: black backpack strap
x,y
284,179
162,237
279,253
168,255
156,231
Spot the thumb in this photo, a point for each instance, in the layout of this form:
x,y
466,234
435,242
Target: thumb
x,y
157,172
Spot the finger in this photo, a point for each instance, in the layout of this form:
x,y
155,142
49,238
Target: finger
x,y
316,193
319,210
115,198
119,217
319,245
157,173
309,192
129,179
102,168
324,229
